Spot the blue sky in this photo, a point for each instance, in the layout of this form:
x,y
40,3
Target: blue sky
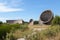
x,y
27,9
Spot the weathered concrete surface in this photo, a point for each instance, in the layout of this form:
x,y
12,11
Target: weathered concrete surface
x,y
46,16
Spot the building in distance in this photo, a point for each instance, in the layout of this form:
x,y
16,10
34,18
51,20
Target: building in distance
x,y
14,21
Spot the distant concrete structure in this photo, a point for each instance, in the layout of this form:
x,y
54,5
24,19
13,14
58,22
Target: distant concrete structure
x,y
14,21
31,22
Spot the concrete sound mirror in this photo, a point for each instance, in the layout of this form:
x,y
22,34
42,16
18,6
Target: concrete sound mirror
x,y
46,17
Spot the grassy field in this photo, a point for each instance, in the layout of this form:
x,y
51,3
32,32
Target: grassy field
x,y
31,32
50,33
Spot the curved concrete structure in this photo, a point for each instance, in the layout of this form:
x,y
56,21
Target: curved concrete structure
x,y
46,17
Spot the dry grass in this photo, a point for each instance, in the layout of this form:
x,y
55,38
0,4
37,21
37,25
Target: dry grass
x,y
38,27
20,34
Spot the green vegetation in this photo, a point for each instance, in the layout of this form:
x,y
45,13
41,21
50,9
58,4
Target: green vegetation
x,y
56,20
3,30
1,22
15,31
36,22
48,34
8,28
51,33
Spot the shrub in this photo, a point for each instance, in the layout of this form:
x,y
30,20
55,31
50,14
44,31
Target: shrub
x,y
36,22
1,22
56,20
4,29
23,27
7,28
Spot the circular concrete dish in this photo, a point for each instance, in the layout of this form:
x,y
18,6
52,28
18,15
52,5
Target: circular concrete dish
x,y
46,17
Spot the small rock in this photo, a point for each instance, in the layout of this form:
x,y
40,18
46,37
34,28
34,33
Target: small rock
x,y
21,39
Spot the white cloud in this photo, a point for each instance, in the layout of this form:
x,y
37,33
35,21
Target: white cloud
x,y
4,8
3,19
